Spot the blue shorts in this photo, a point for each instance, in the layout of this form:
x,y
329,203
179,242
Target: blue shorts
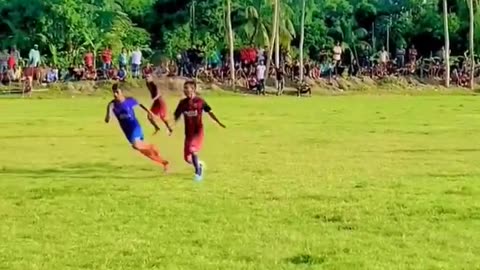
x,y
135,135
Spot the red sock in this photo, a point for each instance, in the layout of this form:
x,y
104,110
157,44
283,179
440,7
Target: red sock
x,y
152,153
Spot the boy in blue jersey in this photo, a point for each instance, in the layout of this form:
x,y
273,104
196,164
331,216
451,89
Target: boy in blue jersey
x,y
123,109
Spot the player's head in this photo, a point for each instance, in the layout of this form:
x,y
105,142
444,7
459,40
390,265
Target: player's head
x,y
117,92
190,89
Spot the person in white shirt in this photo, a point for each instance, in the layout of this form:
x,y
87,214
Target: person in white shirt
x,y
136,62
261,68
384,57
337,56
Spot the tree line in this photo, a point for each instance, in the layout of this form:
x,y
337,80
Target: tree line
x,y
64,29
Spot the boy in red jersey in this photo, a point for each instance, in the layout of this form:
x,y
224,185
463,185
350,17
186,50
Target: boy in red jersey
x,y
159,107
192,108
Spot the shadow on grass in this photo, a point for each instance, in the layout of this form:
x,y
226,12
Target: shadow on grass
x,y
306,259
434,150
82,170
43,136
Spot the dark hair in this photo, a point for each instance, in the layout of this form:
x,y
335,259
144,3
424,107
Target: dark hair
x,y
191,83
115,87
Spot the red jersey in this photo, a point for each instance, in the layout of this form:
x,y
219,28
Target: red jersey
x,y
11,62
192,110
88,59
152,87
147,71
107,56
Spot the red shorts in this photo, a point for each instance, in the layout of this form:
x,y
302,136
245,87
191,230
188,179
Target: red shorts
x,y
29,72
159,108
192,145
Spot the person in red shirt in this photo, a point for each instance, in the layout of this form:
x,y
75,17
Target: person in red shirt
x,y
148,70
88,60
107,60
192,108
159,107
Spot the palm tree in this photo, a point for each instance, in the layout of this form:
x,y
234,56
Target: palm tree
x,y
230,42
255,28
273,34
471,36
447,44
302,37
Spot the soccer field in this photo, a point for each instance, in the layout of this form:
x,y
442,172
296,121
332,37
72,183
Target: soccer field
x,y
351,182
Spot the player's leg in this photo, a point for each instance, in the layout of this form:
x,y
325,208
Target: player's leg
x,y
155,110
148,150
191,149
151,152
153,123
162,113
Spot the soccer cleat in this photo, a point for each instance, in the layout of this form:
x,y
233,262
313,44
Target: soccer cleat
x,y
165,166
199,177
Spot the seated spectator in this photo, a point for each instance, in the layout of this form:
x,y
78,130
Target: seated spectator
x,y
90,74
252,83
122,74
52,75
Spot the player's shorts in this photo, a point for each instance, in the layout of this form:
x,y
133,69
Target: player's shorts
x,y
159,108
135,135
192,145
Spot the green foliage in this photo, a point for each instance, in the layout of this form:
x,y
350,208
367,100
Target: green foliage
x,y
64,29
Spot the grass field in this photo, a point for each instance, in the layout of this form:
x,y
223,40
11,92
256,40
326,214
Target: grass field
x,y
357,182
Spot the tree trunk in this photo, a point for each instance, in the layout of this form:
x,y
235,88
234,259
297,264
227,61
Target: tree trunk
x,y
302,37
255,32
471,36
388,34
447,44
277,47
273,34
374,46
230,42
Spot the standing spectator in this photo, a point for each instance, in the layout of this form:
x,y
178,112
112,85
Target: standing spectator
x,y
412,55
337,56
180,65
261,68
384,58
400,53
4,61
34,57
16,54
88,60
136,63
11,63
280,80
107,60
123,58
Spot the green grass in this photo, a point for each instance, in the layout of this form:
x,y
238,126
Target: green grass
x,y
352,182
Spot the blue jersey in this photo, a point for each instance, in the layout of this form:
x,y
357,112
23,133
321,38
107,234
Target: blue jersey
x,y
124,111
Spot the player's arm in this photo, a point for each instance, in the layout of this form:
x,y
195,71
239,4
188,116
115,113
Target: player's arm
x,y
109,109
178,112
157,97
208,110
145,109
